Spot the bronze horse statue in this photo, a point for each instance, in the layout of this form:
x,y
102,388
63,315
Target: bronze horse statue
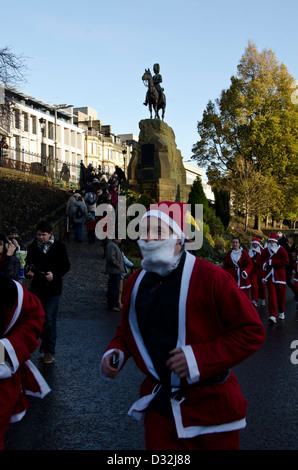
x,y
155,98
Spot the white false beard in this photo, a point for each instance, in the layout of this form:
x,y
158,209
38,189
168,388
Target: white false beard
x,y
253,251
273,247
158,256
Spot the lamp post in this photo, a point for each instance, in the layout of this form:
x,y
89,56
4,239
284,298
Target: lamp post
x,y
124,159
43,158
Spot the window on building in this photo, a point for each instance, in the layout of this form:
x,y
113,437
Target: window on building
x,y
15,119
66,136
79,141
43,150
33,124
59,134
51,151
73,139
51,131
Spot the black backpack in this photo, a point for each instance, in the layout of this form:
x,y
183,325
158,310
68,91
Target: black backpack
x,y
79,212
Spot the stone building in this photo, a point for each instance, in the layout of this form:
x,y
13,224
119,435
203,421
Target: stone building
x,y
104,149
42,137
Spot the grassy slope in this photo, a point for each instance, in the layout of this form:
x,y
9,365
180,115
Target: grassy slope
x,y
27,199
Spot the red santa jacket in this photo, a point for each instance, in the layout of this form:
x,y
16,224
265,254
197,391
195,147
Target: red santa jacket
x,y
255,258
20,337
239,270
214,337
274,265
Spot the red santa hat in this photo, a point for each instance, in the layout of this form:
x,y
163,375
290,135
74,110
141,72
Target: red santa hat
x,y
255,240
173,214
273,237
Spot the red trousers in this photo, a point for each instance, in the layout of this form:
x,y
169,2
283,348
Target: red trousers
x,y
258,289
161,434
276,297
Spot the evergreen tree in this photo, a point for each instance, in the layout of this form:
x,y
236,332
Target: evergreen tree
x,y
222,205
197,196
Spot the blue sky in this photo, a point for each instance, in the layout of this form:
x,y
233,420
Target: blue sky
x,y
94,53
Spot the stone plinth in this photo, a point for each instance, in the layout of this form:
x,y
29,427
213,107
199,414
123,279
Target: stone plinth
x,y
156,167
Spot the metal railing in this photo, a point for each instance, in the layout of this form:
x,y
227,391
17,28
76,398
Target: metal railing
x,y
46,166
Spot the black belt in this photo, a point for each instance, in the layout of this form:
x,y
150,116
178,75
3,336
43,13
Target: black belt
x,y
215,380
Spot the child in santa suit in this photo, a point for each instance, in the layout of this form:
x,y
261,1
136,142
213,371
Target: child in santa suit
x,y
274,261
238,263
258,288
185,323
21,321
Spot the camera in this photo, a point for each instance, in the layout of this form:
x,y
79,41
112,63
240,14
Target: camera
x,y
33,269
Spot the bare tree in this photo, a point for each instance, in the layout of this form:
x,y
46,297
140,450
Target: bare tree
x,y
12,67
12,73
252,192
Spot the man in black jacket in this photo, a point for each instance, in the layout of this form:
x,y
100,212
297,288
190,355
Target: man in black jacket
x,y
46,264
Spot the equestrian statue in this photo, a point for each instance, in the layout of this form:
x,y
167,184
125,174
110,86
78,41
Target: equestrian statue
x,y
155,96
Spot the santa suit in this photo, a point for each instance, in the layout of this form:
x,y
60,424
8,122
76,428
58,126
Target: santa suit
x,y
214,337
18,376
258,289
274,276
239,265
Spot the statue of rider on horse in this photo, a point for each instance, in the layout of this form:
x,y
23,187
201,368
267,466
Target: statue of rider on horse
x,y
155,96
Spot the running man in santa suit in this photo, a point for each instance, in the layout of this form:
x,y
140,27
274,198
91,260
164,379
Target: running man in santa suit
x,y
186,324
21,322
238,263
258,288
274,261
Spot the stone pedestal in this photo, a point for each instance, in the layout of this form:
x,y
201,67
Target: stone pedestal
x,y
156,167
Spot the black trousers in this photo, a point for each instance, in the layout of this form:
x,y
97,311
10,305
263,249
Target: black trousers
x,y
113,290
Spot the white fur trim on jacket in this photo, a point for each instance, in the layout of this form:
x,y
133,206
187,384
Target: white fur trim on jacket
x,y
168,220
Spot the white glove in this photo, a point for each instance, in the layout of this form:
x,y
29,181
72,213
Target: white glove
x,y
5,371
